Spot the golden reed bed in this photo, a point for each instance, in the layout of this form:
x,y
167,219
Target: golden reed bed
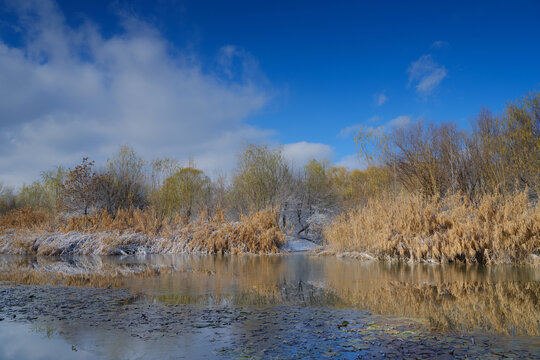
x,y
138,231
492,229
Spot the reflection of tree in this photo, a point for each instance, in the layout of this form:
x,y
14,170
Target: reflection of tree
x,y
501,299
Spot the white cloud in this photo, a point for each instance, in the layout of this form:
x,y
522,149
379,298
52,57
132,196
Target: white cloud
x,y
350,130
380,99
352,162
71,92
353,129
425,74
439,44
301,153
398,122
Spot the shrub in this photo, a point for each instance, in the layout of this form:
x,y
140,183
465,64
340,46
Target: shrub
x,y
186,192
123,184
79,191
491,229
7,199
260,177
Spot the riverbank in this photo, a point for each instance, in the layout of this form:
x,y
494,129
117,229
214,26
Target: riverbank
x,y
138,232
489,230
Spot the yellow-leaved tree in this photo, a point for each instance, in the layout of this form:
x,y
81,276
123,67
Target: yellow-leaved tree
x,y
186,192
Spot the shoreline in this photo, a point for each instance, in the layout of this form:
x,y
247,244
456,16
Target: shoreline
x,y
129,243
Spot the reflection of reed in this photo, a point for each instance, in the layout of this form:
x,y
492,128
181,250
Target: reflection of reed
x,y
81,271
300,294
451,298
510,308
502,299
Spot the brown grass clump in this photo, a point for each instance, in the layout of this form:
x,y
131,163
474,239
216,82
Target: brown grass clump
x,y
494,229
147,221
258,232
143,231
24,218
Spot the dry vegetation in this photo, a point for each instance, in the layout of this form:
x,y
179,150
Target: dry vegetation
x,y
494,229
140,231
457,196
432,192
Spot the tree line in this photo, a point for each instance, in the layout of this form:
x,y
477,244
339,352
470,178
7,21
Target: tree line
x,y
501,153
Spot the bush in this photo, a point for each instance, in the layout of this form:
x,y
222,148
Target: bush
x,y
185,192
123,184
491,229
260,178
7,199
79,192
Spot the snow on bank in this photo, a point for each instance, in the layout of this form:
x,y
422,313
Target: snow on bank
x,y
99,243
299,245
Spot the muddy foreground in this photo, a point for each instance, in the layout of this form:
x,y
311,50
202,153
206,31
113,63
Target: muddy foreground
x,y
89,318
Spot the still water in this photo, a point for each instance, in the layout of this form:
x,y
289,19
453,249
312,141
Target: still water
x,y
281,306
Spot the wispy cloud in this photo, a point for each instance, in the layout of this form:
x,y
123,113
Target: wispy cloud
x,y
353,129
352,162
350,130
439,44
380,99
426,75
69,92
398,122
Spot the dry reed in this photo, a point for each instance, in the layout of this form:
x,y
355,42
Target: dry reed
x,y
493,229
140,231
24,218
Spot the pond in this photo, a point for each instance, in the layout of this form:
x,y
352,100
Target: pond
x,y
276,306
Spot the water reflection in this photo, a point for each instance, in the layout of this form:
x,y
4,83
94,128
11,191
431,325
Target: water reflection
x,y
500,299
16,337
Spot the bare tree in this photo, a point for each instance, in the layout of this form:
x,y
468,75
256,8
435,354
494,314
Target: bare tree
x,y
79,189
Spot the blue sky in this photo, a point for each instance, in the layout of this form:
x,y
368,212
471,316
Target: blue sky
x,y
200,78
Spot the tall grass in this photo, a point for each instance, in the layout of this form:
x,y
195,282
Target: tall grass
x,y
492,229
26,217
139,231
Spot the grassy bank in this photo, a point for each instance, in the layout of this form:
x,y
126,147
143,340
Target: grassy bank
x,y
492,229
28,231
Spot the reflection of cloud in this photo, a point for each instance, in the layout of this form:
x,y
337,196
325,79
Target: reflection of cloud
x,y
301,153
15,338
69,92
425,74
